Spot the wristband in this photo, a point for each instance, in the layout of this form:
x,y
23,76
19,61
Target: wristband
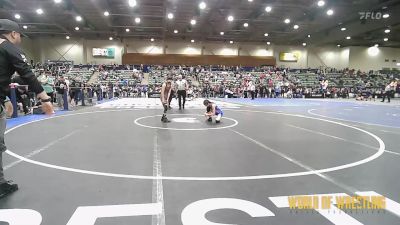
x,y
45,100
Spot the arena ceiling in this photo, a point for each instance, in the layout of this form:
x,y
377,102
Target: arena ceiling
x,y
315,26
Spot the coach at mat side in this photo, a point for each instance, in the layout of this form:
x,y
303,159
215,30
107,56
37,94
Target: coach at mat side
x,y
12,60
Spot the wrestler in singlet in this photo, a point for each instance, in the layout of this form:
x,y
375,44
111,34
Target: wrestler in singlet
x,y
165,93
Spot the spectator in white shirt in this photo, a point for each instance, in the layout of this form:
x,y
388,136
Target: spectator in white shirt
x,y
252,89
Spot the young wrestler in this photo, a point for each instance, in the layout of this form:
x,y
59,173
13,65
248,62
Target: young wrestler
x,y
165,94
213,110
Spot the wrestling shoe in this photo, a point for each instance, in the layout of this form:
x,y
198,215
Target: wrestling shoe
x,y
7,188
165,120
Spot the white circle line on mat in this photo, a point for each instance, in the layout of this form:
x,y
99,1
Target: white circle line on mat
x,y
380,151
235,122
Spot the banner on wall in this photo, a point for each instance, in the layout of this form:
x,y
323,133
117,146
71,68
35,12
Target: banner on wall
x,y
289,56
104,52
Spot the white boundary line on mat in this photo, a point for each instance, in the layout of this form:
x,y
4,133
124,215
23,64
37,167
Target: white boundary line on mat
x,y
255,177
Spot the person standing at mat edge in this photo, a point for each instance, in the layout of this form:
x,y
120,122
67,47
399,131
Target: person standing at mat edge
x,y
182,87
12,60
165,95
387,92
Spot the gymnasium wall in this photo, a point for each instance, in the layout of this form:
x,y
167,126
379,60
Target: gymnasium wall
x,y
360,58
80,51
193,60
333,57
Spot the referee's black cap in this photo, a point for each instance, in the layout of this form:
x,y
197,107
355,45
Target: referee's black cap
x,y
9,25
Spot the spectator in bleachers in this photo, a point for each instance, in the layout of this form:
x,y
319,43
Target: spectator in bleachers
x,y
61,87
103,90
75,91
252,89
277,90
324,87
47,84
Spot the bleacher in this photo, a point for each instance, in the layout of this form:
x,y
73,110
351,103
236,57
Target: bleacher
x,y
309,80
157,77
83,74
131,77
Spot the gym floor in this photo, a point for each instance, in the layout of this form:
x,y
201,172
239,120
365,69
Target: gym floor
x,y
116,163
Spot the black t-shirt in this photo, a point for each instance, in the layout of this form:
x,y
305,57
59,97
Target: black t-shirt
x,y
60,87
12,60
75,86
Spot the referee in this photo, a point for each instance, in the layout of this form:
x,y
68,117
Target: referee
x,y
182,86
12,60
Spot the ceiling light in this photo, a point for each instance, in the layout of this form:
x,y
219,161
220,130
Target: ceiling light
x,y
246,25
266,35
386,39
296,27
67,37
127,30
25,27
231,42
287,21
250,0
176,31
152,39
137,20
202,5
376,45
343,29
132,3
348,37
111,38
373,51
338,45
268,9
17,16
268,43
192,41
78,18
387,31
170,16
385,16
193,22
329,12
76,28
230,18
222,33
106,13
321,3
398,64
309,35
304,44
39,11
57,1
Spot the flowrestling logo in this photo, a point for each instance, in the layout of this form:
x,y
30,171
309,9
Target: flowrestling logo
x,y
373,15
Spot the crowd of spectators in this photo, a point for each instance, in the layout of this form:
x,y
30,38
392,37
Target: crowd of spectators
x,y
205,81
